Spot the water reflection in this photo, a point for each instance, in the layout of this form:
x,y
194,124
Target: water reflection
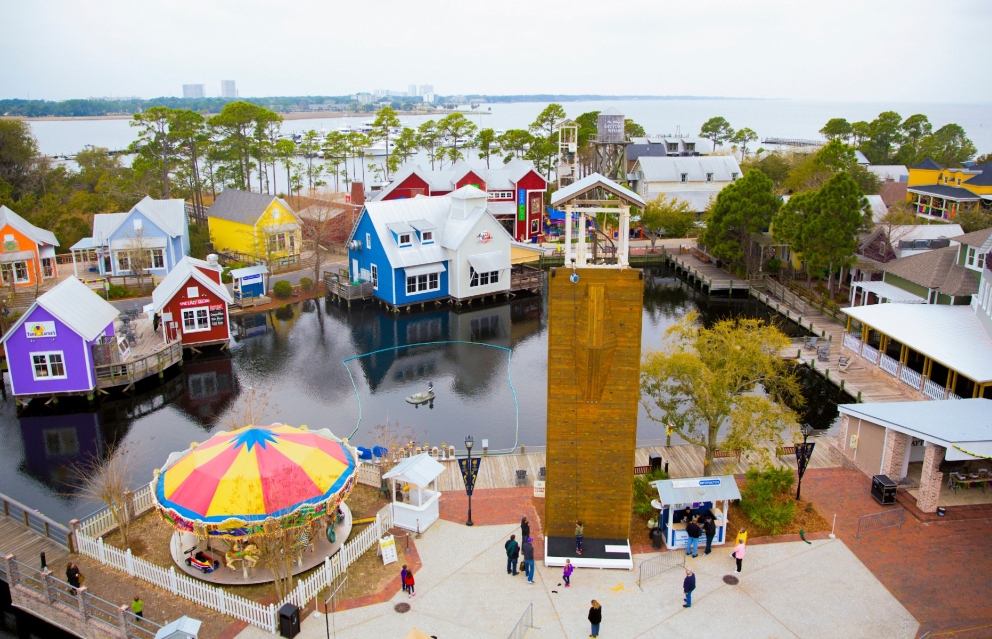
x,y
210,388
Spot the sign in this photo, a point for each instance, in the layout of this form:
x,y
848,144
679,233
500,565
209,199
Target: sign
x,y
485,236
803,454
538,488
197,302
40,329
699,482
250,278
387,548
216,315
469,476
123,347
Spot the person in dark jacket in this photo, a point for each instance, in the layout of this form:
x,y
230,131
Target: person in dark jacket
x,y
694,532
512,555
709,529
528,550
595,618
688,585
524,529
72,576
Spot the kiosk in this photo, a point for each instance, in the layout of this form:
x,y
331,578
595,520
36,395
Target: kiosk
x,y
701,494
418,507
249,282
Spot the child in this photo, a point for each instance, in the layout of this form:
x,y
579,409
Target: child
x,y
403,577
738,555
567,573
742,537
409,584
578,537
138,608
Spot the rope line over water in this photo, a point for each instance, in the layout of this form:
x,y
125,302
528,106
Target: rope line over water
x,y
509,378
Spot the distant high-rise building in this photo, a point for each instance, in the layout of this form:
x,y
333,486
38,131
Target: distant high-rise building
x,y
380,93
193,91
228,89
429,98
412,90
426,88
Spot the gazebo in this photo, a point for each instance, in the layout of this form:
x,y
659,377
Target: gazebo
x,y
417,476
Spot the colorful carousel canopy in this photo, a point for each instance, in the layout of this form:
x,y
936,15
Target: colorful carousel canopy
x,y
237,480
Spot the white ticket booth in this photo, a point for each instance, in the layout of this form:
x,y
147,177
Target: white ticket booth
x,y
416,478
703,496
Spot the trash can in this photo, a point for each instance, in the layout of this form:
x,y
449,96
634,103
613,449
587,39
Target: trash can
x,y
654,460
657,538
883,489
289,621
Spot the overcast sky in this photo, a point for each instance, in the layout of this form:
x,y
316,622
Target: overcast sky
x,y
904,50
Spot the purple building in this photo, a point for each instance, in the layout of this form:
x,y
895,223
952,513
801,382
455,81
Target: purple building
x,y
50,348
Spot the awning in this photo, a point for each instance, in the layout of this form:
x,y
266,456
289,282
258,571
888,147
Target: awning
x,y
485,262
696,490
555,215
85,244
131,244
260,269
17,256
424,269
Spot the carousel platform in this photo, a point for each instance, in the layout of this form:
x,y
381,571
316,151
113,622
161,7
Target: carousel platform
x,y
239,576
596,553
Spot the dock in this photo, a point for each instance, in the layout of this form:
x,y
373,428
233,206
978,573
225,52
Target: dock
x,y
150,355
699,269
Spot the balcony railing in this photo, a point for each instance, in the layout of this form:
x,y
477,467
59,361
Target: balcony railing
x,y
900,371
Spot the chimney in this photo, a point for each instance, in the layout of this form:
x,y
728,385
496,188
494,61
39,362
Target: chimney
x,y
358,193
212,260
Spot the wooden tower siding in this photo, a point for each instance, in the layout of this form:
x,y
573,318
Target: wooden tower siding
x,y
594,353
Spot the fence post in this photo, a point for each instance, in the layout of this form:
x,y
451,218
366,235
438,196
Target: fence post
x,y
10,567
129,561
173,582
222,601
102,553
122,619
73,532
273,621
81,602
46,586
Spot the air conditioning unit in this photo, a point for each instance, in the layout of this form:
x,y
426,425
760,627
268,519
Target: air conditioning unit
x,y
354,245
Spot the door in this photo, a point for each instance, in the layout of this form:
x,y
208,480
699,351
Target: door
x,y
354,270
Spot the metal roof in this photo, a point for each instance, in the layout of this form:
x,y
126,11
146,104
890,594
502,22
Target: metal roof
x,y
894,172
671,168
419,470
954,421
950,335
889,292
503,178
168,215
40,236
260,269
177,278
699,201
595,181
681,491
433,209
75,305
242,206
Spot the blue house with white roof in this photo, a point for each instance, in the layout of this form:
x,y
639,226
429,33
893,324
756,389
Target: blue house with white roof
x,y
421,249
153,236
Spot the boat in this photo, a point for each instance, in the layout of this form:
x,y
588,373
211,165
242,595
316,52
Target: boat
x,y
376,150
422,398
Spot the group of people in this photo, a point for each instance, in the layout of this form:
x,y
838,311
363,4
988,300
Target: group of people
x,y
514,550
696,527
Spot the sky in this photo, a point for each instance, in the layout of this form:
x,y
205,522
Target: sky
x,y
842,50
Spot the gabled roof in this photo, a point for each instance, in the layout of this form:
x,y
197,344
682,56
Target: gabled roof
x,y
982,179
946,191
671,168
975,238
443,181
39,236
75,305
927,165
168,215
936,269
595,181
243,207
419,470
104,225
697,200
178,277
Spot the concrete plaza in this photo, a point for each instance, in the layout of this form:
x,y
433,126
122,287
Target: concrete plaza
x,y
786,590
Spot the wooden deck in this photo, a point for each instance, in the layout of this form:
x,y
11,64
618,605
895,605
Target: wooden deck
x,y
705,274
27,544
500,471
150,355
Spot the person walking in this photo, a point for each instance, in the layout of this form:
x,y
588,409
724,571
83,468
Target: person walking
x,y
410,584
512,555
138,607
567,572
579,534
709,529
688,585
595,618
72,576
524,529
738,555
528,550
694,532
403,577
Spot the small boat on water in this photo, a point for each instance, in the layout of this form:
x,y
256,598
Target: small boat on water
x,y
422,398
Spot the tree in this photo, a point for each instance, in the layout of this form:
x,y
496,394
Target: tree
x,y
190,131
973,219
235,126
860,132
729,377
741,208
406,147
456,126
514,143
394,438
285,152
335,150
716,129
109,482
810,172
916,127
894,225
309,146
836,128
632,129
667,217
485,141
385,121
316,230
429,139
544,148
885,133
18,157
742,138
948,146
791,222
157,139
138,253
983,159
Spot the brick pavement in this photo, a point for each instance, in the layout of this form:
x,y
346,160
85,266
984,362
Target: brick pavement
x,y
494,506
939,570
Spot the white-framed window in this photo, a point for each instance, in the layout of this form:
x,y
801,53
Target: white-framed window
x,y
427,237
136,224
423,283
685,178
156,257
484,278
404,239
375,277
733,177
21,272
48,266
500,195
971,256
709,177
196,320
123,261
48,365
277,242
368,240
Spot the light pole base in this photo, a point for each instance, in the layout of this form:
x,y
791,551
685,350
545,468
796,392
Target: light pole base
x,y
469,523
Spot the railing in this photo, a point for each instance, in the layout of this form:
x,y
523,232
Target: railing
x,y
103,521
878,521
525,277
663,563
339,284
369,475
37,522
852,343
869,353
133,371
525,623
910,378
780,291
933,390
889,365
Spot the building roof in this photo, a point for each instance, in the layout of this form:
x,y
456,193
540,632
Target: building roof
x,y
104,225
894,172
878,208
936,269
698,200
595,181
671,168
177,278
975,238
946,191
39,236
964,422
75,305
913,232
419,470
503,178
893,192
243,207
860,158
982,179
637,151
927,165
888,292
259,269
950,335
689,491
168,215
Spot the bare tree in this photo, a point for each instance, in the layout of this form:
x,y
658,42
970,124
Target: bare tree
x,y
317,229
109,481
394,438
138,253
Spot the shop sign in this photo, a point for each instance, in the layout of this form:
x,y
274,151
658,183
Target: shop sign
x,y
538,488
698,482
40,329
216,315
197,302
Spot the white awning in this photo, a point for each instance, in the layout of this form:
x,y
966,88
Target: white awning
x,y
424,269
485,262
16,256
129,244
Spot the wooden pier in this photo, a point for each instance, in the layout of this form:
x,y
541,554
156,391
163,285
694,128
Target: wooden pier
x,y
150,355
26,533
699,269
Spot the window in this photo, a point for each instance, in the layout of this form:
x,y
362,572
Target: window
x,y
136,224
535,227
500,195
404,239
368,240
981,261
48,267
733,177
375,277
423,283
427,236
483,279
685,178
48,365
971,256
196,320
123,261
709,177
277,242
673,147
21,272
156,258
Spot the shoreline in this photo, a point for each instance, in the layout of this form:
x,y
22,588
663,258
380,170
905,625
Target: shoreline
x,y
295,115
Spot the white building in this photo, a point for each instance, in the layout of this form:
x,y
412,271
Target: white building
x,y
425,89
411,90
228,89
695,180
193,91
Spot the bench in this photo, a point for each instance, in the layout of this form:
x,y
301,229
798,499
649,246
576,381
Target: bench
x,y
641,470
723,454
785,450
699,255
521,478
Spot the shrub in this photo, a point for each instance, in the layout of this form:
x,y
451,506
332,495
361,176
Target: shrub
x,y
773,265
766,498
117,292
282,289
225,275
306,284
644,492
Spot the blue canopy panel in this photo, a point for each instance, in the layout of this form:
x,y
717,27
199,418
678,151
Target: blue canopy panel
x,y
555,215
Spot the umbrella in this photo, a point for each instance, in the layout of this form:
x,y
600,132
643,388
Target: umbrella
x,y
235,481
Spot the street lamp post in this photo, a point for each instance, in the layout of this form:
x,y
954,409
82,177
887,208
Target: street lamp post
x,y
803,453
468,445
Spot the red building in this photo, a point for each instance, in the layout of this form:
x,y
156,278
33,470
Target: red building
x,y
516,191
193,303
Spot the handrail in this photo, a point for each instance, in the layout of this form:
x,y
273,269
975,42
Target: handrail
x,y
165,357
28,515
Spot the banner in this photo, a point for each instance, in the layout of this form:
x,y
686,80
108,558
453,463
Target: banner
x,y
469,475
803,454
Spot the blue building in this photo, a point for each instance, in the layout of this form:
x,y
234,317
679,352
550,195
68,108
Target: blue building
x,y
152,236
430,248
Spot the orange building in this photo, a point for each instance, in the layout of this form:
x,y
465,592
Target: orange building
x,y
26,252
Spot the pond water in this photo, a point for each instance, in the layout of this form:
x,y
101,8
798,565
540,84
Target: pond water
x,y
490,377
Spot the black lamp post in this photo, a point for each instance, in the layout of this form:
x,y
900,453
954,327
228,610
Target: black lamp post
x,y
468,445
803,453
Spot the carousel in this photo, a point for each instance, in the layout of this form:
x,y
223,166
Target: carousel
x,y
223,495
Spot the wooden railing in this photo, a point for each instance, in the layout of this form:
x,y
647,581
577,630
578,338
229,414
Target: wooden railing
x,y
37,522
524,277
339,284
108,375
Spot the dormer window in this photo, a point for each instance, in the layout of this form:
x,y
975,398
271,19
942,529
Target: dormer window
x,y
427,237
405,239
685,178
733,177
709,177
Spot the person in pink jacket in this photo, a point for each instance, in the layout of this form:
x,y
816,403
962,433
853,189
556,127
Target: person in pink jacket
x,y
567,573
738,555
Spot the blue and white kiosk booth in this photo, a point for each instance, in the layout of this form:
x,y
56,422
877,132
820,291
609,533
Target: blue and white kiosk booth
x,y
702,495
249,282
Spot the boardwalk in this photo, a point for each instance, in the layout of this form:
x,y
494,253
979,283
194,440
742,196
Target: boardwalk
x,y
704,274
26,544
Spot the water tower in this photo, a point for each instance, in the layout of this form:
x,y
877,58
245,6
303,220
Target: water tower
x,y
611,146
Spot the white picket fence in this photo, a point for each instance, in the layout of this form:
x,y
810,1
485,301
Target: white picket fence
x,y
369,475
256,614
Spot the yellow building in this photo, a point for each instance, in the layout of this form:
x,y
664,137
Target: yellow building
x,y
254,226
940,193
